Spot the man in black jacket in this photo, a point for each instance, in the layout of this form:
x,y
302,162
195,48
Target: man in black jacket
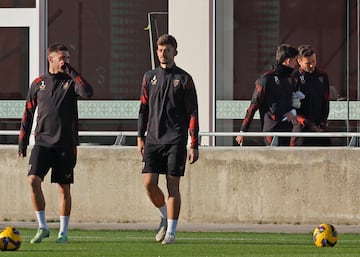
x,y
272,96
314,84
168,113
54,95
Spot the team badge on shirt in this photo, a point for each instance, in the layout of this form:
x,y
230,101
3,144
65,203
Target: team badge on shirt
x,y
66,85
153,81
302,79
277,81
176,82
42,86
321,79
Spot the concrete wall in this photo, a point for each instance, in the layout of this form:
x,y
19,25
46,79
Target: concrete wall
x,y
226,185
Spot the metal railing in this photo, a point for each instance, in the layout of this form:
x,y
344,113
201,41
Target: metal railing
x,y
121,135
351,135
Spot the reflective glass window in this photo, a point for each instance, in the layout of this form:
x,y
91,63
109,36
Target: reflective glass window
x,y
249,32
17,4
109,45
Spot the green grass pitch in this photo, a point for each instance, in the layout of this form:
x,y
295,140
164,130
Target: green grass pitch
x,y
95,243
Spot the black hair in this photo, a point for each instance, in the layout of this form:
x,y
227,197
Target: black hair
x,y
285,51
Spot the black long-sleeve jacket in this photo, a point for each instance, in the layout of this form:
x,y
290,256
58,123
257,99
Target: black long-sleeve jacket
x,y
315,86
55,98
272,96
168,107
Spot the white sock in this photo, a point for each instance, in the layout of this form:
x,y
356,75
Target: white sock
x,y
40,216
64,224
163,211
171,228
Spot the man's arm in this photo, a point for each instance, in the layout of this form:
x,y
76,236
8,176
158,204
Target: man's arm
x,y
256,100
82,86
27,119
140,145
191,105
143,115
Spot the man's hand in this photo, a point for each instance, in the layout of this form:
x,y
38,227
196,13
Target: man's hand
x,y
193,155
140,145
240,140
22,151
291,116
296,97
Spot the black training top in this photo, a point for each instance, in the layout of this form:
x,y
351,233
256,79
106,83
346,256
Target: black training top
x,y
272,96
55,97
315,86
168,108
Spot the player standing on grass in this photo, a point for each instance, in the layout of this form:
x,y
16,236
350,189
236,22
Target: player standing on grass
x,y
168,112
56,135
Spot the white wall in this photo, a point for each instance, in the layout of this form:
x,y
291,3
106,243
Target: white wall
x,y
224,62
191,24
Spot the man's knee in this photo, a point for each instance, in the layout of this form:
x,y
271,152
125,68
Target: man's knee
x,y
34,181
173,184
150,181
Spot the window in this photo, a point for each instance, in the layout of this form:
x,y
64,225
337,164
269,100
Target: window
x,y
109,45
248,33
17,4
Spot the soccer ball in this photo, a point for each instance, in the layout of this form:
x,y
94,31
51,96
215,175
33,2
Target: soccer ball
x,y
325,235
10,239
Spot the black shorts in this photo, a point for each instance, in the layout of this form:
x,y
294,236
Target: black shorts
x,y
165,159
61,161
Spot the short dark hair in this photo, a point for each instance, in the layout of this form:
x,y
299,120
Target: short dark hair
x,y
56,47
167,39
306,50
285,51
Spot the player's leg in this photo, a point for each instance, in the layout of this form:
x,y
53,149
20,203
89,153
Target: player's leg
x,y
37,195
63,175
173,208
153,190
157,197
65,199
284,127
38,201
174,200
153,164
176,169
39,165
64,211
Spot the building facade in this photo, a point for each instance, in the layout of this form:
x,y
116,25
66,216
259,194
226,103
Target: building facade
x,y
224,44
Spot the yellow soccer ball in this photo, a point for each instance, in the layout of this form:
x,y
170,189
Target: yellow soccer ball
x,y
10,239
325,235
